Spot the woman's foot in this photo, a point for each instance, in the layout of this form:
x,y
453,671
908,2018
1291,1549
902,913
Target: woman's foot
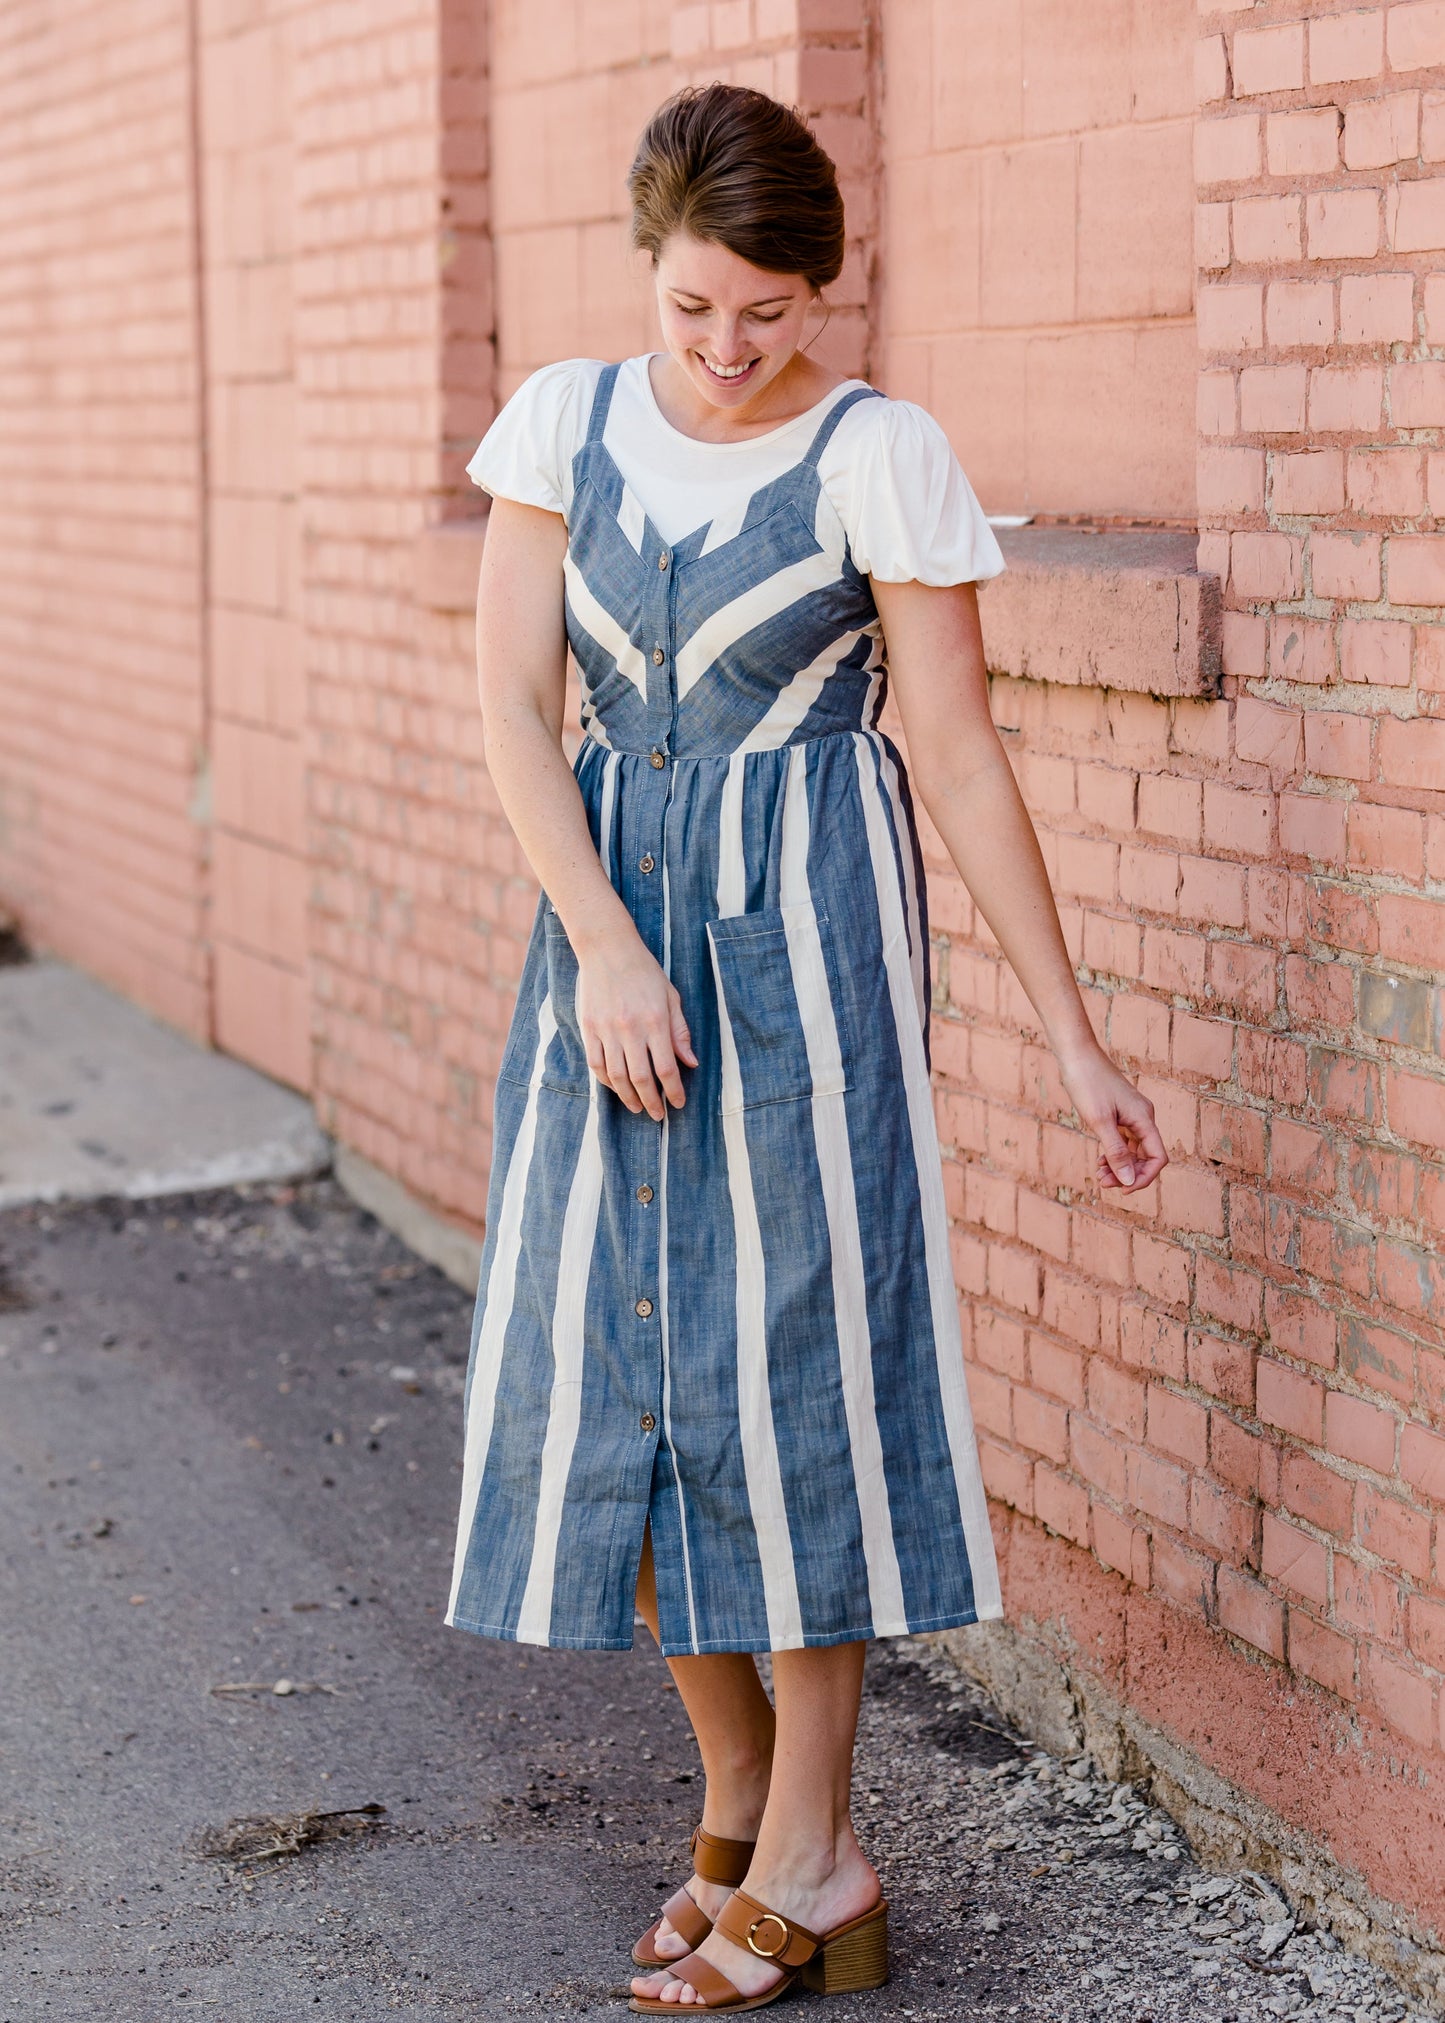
x,y
818,1895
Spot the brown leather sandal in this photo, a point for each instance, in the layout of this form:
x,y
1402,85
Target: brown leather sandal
x,y
717,1861
844,1961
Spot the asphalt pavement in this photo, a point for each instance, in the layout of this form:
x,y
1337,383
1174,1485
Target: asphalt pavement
x,y
230,1429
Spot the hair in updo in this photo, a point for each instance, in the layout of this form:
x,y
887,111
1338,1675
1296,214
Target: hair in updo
x,y
730,165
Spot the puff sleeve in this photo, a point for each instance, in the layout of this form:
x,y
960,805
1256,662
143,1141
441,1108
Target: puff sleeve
x,y
910,513
527,452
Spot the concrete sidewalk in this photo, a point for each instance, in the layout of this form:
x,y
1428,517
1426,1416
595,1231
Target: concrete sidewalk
x,y
96,1098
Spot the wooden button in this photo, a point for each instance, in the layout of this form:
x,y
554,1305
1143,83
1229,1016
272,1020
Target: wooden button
x,y
644,1194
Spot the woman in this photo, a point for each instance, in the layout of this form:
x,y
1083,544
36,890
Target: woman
x,y
716,1370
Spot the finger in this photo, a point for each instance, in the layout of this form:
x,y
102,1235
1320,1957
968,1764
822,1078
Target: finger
x,y
681,1037
618,1079
1155,1158
1117,1152
639,1070
596,1062
664,1062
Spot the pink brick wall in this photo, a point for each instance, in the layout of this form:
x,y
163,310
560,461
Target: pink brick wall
x,y
1037,270
102,696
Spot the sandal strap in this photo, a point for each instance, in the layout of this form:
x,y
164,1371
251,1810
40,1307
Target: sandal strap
x,y
691,1924
721,1861
765,1933
716,1990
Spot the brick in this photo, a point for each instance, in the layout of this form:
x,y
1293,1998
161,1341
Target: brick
x,y
1415,36
1425,1630
1415,568
1382,131
1422,1460
1393,1530
1230,317
1415,216
1380,1358
1243,644
1290,1401
1342,224
1266,566
1316,1494
1211,70
1303,143
1367,1599
1322,1654
1269,59
1159,1489
1377,309
1402,1695
1267,230
1432,127
1345,565
1346,398
1412,752
1387,483
1300,313
1386,841
1119,1545
1311,481
1215,404
1310,825
1178,1426
1301,649
1230,481
1294,1559
1224,1369
1272,398
1376,651
1250,1612
1186,1578
1417,394
1211,237
1346,48
1061,1505
1227,149
1337,746
1358,1431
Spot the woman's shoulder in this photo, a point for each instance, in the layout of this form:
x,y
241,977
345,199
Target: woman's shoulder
x,y
906,504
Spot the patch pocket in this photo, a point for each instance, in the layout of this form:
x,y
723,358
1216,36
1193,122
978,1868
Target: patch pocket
x,y
565,1068
779,1027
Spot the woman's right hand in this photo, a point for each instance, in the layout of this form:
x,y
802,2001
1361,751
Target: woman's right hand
x,y
632,1024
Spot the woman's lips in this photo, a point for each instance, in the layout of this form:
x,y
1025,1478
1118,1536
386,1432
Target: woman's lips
x,y
728,378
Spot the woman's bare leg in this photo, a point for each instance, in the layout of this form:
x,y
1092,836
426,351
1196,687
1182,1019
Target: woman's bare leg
x,y
808,1863
732,1718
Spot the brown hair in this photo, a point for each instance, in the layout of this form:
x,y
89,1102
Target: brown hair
x,y
731,165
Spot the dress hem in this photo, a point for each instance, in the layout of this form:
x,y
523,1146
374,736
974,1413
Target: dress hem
x,y
726,1645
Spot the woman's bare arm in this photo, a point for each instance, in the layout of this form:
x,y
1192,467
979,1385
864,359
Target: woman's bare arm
x,y
630,1014
964,779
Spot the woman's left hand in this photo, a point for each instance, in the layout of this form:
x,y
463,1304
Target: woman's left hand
x,y
1131,1152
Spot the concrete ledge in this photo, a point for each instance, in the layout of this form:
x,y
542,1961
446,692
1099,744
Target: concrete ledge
x,y
1125,609
446,560
450,1249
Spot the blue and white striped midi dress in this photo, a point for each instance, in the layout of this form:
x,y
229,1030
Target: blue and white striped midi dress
x,y
737,1326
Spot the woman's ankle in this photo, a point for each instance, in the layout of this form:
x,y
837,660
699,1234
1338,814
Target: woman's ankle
x,y
737,1796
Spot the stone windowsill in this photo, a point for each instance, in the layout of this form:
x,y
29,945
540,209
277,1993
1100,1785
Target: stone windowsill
x,y
1121,608
1125,609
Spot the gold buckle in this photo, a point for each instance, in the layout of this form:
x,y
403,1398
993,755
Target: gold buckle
x,y
769,1917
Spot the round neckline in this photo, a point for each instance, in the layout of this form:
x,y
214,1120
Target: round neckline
x,y
743,442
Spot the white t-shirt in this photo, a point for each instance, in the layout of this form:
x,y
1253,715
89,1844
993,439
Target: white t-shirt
x,y
888,469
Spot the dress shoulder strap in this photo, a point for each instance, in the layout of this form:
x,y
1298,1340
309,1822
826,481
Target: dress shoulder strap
x,y
830,421
601,401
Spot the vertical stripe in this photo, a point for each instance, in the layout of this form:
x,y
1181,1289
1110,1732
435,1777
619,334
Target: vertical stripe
x,y
605,815
501,1290
835,1165
732,870
755,1411
903,831
662,1277
579,1233
947,1342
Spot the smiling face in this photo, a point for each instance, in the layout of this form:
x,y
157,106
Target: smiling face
x,y
732,328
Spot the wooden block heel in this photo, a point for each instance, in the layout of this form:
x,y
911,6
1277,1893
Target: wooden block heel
x,y
851,1959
